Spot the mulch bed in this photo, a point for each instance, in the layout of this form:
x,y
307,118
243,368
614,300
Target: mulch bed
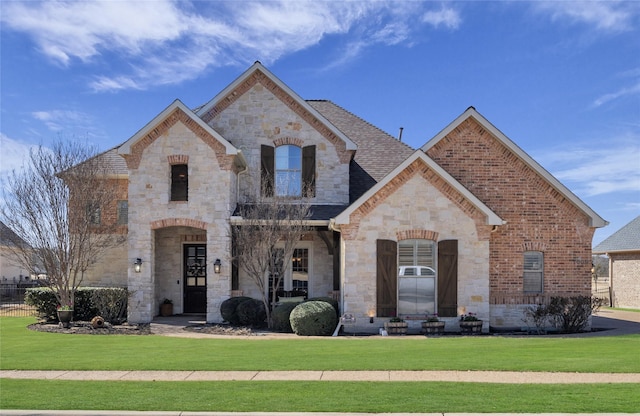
x,y
85,327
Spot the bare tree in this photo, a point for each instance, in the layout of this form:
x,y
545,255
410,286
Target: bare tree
x,y
54,205
265,239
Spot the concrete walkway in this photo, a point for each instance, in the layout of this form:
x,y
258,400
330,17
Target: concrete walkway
x,y
504,377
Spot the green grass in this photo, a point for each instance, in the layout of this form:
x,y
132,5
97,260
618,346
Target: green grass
x,y
22,349
320,396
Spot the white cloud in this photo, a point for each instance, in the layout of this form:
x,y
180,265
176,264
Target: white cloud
x,y
610,16
448,18
606,168
167,42
64,120
14,154
621,93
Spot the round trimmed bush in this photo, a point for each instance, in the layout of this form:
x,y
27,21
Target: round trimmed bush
x,y
313,318
330,301
228,309
251,313
280,316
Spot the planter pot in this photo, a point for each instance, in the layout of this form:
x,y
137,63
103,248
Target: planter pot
x,y
471,327
65,317
396,328
166,309
433,328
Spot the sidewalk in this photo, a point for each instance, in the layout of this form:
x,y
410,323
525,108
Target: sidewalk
x,y
505,377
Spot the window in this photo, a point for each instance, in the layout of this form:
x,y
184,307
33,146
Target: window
x,y
533,271
416,277
179,183
93,213
123,212
300,270
295,281
288,171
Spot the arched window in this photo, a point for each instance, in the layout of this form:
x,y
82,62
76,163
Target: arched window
x,y
288,171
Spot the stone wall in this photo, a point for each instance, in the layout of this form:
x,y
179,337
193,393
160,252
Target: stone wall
x,y
208,208
258,117
415,204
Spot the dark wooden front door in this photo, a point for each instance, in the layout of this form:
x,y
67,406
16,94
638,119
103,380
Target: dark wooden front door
x,y
195,278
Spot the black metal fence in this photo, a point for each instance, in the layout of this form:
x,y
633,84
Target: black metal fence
x,y
12,300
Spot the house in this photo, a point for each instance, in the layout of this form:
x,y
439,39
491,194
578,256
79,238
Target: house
x,y
498,230
623,250
12,272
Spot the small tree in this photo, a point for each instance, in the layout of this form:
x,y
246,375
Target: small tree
x,y
54,205
265,239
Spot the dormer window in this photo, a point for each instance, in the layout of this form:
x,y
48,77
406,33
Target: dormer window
x,y
179,182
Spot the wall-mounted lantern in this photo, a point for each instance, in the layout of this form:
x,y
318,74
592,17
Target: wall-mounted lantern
x,y
216,266
137,265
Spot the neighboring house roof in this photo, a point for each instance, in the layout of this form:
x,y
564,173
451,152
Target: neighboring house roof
x,y
595,220
626,238
491,217
8,237
229,92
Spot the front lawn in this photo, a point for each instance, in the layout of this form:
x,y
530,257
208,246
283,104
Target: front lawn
x,y
22,349
320,396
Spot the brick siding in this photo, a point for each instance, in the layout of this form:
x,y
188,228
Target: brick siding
x,y
538,216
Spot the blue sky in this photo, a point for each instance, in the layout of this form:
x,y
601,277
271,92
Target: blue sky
x,y
561,78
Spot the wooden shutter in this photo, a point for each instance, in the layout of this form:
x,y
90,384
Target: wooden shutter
x,y
267,176
309,171
386,278
448,278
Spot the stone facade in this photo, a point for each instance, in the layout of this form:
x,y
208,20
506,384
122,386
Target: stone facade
x,y
259,117
469,185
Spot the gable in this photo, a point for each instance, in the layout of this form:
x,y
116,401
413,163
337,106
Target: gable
x,y
491,165
258,74
419,164
177,112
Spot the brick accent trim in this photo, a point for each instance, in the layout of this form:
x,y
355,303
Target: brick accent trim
x,y
417,235
133,159
178,159
288,140
259,77
534,246
418,167
178,222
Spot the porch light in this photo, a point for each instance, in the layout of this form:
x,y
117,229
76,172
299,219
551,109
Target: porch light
x,y
137,266
372,313
216,266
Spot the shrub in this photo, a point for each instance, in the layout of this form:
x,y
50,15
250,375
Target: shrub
x,y
251,313
228,309
44,300
281,315
330,301
109,302
313,318
571,314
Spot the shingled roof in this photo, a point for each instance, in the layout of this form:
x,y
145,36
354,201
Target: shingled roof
x,y
378,152
8,237
626,238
